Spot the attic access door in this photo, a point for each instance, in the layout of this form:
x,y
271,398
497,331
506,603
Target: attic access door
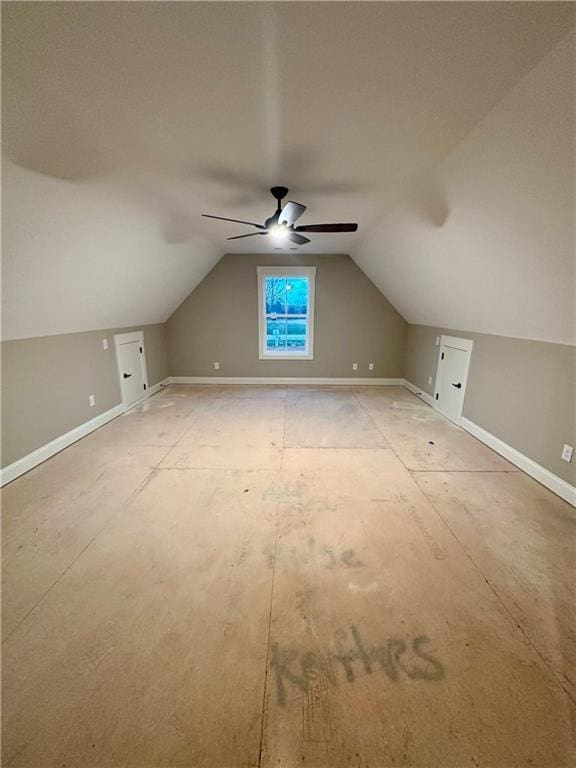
x,y
452,376
131,367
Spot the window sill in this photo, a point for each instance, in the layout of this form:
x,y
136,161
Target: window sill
x,y
286,357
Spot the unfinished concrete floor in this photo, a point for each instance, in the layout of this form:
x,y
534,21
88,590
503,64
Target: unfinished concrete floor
x,y
244,576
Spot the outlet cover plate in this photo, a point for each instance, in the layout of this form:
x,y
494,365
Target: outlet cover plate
x,y
567,452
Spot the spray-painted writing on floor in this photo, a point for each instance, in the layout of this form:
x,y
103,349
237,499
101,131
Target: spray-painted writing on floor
x,y
311,552
350,655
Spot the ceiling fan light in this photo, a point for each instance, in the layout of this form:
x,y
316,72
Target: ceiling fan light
x,y
278,233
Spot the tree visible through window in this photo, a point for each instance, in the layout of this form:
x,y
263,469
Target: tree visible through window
x,y
285,317
286,313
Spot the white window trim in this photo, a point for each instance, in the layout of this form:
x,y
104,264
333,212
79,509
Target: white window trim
x,y
263,272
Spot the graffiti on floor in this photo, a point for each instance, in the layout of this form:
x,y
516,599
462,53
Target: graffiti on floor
x,y
337,559
396,657
305,600
311,552
350,655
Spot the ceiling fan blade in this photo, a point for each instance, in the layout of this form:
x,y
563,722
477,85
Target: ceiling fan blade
x,y
291,213
236,221
250,234
294,237
327,228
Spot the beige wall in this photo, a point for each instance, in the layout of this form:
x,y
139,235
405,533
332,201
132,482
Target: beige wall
x,y
46,382
521,391
219,322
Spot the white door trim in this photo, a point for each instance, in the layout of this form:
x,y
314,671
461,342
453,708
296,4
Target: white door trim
x,y
464,345
457,343
128,338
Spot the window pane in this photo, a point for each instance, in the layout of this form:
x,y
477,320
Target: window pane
x,y
286,300
297,295
296,336
275,295
276,334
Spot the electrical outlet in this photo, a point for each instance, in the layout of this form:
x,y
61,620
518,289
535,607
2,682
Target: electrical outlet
x,y
216,366
567,452
92,401
104,343
354,366
429,379
370,366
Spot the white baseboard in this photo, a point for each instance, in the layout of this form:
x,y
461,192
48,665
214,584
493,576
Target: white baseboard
x,y
12,471
538,472
157,387
419,392
283,380
26,463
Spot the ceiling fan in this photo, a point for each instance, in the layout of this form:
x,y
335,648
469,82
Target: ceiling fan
x,y
280,226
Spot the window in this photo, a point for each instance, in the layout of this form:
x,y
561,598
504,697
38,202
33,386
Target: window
x,y
286,312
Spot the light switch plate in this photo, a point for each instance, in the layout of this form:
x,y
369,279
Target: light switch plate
x,y
567,452
104,343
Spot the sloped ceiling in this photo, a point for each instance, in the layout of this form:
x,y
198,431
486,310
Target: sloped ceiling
x,y
487,241
123,122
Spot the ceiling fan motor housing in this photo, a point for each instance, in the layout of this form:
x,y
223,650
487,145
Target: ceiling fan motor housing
x,y
279,192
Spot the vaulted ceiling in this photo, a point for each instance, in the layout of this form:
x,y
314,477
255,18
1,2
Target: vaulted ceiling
x,y
123,122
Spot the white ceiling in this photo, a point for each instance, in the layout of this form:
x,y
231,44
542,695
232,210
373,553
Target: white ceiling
x,y
123,122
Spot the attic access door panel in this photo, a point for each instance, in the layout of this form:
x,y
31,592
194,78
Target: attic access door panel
x,y
452,376
131,367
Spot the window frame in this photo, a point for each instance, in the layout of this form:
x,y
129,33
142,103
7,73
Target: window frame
x,y
263,273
